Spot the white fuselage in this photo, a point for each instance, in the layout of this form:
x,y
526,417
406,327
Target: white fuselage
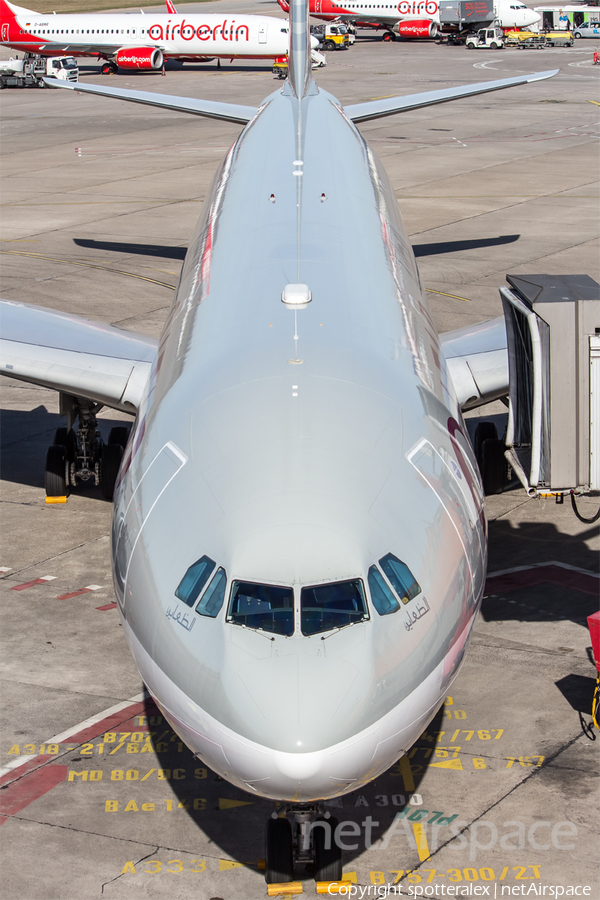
x,y
294,448
509,13
187,36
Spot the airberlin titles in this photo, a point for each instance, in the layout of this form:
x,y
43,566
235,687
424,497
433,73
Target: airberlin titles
x,y
203,32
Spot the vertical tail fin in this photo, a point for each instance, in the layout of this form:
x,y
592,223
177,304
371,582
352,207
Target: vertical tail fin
x,y
300,74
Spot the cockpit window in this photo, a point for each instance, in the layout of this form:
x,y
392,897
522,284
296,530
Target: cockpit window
x,y
212,601
328,606
262,606
400,576
383,599
193,581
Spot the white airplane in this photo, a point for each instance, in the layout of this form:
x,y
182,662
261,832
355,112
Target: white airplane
x,y
299,538
139,41
411,18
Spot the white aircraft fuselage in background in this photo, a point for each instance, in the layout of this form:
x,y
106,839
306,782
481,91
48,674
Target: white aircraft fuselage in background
x,y
125,35
411,18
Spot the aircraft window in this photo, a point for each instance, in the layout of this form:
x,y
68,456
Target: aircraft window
x,y
328,606
262,606
383,599
400,576
212,601
193,581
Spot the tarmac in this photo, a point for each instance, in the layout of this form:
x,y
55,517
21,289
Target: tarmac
x,y
500,796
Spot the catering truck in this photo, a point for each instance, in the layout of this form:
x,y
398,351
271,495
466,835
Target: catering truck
x,y
30,70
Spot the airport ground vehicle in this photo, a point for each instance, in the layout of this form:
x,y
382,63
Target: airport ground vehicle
x,y
30,70
331,36
490,38
587,30
564,17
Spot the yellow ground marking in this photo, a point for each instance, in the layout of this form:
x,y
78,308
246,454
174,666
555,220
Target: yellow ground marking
x,y
231,804
292,887
595,102
70,262
407,775
443,294
225,864
421,839
448,764
148,774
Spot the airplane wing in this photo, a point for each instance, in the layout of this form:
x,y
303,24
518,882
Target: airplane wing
x,y
230,112
477,359
75,356
376,109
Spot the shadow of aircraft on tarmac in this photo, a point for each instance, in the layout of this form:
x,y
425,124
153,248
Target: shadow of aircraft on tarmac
x,y
170,252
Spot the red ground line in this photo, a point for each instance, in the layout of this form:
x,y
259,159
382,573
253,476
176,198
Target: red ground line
x,y
16,796
512,581
110,723
73,594
28,584
101,608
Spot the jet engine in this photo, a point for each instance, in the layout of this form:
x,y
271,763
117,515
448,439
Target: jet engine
x,y
139,58
417,28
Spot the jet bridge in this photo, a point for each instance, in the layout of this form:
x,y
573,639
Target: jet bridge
x,y
553,333
464,14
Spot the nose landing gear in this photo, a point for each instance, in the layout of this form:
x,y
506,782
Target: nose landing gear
x,y
302,835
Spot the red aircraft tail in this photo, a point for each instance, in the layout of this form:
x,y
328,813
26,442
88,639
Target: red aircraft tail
x,y
284,5
171,7
10,31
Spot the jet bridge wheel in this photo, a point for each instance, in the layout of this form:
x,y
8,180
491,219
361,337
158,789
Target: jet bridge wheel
x,y
328,860
56,471
112,454
279,852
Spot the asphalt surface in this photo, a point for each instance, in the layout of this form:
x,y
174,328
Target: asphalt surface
x,y
99,200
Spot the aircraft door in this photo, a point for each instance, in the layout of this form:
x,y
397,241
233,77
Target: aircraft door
x,y
133,511
262,34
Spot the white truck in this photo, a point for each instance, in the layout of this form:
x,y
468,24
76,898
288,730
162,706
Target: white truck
x,y
30,71
486,38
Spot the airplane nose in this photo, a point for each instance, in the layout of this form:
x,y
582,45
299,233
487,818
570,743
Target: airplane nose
x,y
305,702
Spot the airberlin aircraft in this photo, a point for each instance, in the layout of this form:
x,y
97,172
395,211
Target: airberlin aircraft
x,y
298,536
138,41
412,18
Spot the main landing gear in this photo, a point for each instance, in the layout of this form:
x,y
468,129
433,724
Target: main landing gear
x,y
109,68
388,36
302,835
80,454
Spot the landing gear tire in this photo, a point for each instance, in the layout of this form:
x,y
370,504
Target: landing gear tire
x,y
279,852
484,431
493,466
328,861
388,36
56,471
119,435
112,454
68,439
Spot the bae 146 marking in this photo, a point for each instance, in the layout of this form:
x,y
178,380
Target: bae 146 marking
x,y
299,470
139,41
413,18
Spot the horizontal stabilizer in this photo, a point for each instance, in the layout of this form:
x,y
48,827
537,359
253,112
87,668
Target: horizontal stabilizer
x,y
477,360
230,112
376,109
73,355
